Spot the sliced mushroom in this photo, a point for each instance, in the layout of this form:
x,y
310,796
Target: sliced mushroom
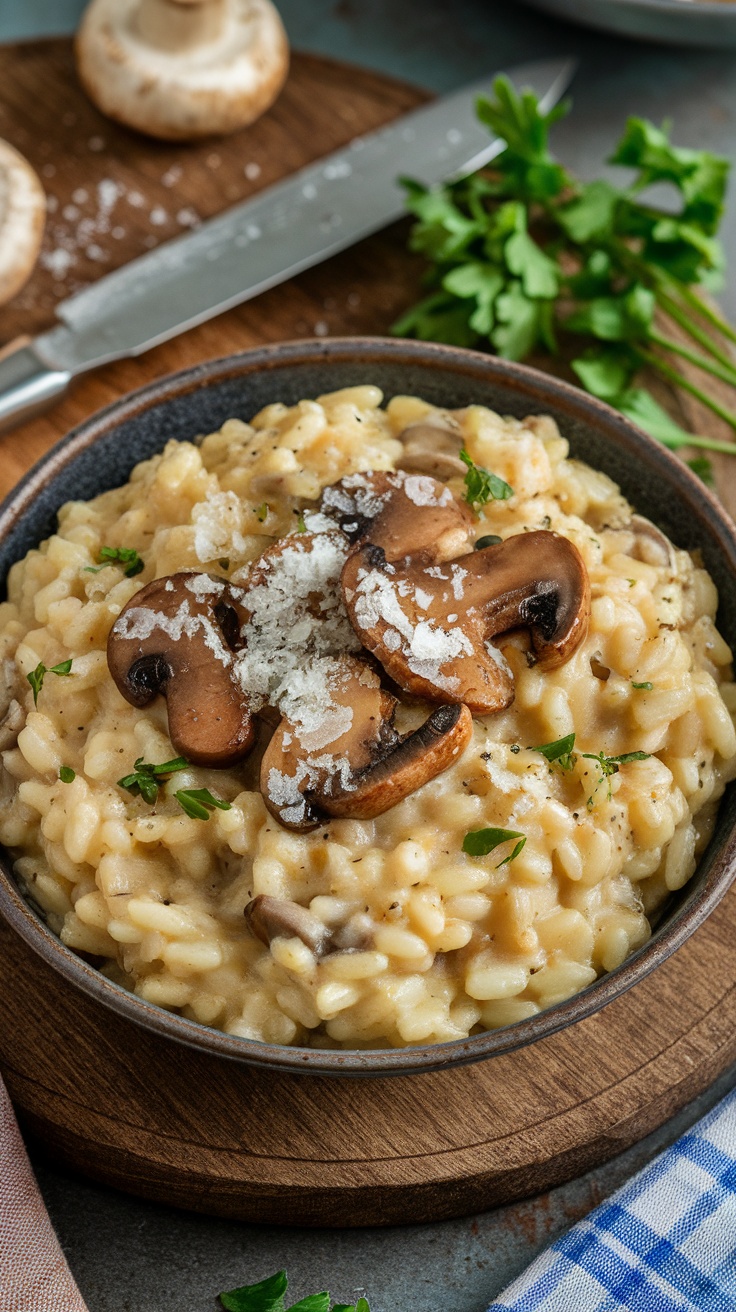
x,y
430,626
22,218
432,446
651,545
402,514
369,767
176,637
11,725
182,69
278,917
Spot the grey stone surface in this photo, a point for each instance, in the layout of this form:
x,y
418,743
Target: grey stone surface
x,y
131,1256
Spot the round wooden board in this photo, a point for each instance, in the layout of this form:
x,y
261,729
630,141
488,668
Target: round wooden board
x,y
155,1118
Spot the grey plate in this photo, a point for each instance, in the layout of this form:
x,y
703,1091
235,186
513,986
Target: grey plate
x,y
101,453
681,22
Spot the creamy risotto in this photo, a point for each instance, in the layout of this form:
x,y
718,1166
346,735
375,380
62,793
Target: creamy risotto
x,y
383,931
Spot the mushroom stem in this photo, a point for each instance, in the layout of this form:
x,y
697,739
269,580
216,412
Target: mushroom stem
x,y
176,26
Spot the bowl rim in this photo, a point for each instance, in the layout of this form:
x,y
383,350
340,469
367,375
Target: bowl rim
x,y
533,386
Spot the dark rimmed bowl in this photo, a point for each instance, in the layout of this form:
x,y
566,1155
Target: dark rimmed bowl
x,y
100,455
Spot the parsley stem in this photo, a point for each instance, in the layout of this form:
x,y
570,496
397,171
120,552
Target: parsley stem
x,y
703,443
728,375
693,329
679,380
706,311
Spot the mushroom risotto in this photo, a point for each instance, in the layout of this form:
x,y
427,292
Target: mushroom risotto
x,y
359,726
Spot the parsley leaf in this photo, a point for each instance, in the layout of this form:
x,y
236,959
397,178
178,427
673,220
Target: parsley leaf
x,y
481,485
67,775
198,802
301,526
125,556
37,676
560,751
262,512
268,1296
145,779
645,687
479,842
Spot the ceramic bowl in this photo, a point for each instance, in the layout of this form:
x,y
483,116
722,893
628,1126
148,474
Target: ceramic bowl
x,y
100,455
677,22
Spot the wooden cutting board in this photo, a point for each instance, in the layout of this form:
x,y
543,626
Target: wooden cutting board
x,y
150,1116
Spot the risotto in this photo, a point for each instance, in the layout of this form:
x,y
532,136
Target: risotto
x,y
516,855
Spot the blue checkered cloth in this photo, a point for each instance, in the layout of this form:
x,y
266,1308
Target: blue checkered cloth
x,y
665,1242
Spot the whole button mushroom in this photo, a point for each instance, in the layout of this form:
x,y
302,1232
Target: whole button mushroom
x,y
176,637
182,69
22,217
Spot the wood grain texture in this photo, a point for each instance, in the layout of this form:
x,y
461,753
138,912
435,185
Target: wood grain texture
x,y
153,1117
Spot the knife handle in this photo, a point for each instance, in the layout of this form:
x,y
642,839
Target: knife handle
x,y
27,384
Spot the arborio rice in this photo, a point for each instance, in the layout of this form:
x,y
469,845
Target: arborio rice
x,y
435,944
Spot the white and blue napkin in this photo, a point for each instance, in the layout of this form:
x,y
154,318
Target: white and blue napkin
x,y
665,1242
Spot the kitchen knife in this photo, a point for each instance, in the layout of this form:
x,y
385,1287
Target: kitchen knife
x,y
284,229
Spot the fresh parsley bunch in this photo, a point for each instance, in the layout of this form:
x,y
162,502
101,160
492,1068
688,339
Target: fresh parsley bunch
x,y
525,257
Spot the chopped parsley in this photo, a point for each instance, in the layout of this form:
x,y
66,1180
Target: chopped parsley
x,y
609,765
489,540
198,802
481,486
37,676
560,751
262,512
127,557
67,775
301,526
268,1296
145,779
479,842
643,687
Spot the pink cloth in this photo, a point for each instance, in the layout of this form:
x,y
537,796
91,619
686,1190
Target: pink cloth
x,y
34,1276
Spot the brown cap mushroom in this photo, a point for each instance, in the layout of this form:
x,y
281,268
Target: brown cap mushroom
x,y
278,917
369,767
402,514
430,626
432,446
176,636
22,218
182,69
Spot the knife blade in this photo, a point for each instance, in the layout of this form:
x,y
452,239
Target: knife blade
x,y
288,227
